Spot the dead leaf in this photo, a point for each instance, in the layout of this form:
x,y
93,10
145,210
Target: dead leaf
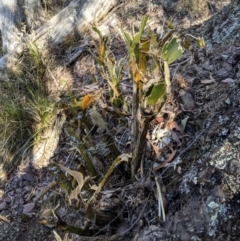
x,y
208,81
87,101
170,157
160,120
80,180
175,137
174,125
56,235
179,170
97,95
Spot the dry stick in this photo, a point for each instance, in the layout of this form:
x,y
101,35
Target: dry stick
x,y
45,190
160,201
75,55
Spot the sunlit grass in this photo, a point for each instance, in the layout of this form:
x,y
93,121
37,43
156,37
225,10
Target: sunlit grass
x,y
26,108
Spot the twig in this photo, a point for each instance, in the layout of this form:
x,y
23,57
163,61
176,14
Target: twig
x,y
45,190
160,201
81,49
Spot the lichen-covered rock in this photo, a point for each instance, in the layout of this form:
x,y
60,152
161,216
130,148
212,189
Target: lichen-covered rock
x,y
197,8
224,27
152,233
211,187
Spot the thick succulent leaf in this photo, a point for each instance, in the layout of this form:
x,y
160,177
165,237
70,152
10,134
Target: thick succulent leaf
x,y
144,53
110,67
128,41
102,50
136,75
138,36
158,91
118,70
172,50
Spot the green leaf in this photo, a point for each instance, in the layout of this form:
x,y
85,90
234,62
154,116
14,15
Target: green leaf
x,y
98,60
158,91
201,43
144,54
128,41
172,50
97,31
138,36
117,102
187,43
110,67
118,69
184,123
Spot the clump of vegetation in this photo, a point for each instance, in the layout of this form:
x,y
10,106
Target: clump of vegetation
x,y
149,58
26,108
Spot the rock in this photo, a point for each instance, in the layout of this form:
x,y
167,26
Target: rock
x,y
187,99
152,232
7,200
21,201
3,206
11,193
19,190
28,177
28,208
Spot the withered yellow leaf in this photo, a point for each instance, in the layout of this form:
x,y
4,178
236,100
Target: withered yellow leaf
x,y
87,101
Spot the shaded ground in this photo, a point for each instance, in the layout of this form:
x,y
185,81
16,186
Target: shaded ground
x,y
201,187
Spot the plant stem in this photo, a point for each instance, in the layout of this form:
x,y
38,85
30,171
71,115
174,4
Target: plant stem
x,y
135,122
138,149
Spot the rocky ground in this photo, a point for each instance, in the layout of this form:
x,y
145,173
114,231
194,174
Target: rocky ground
x,y
200,187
